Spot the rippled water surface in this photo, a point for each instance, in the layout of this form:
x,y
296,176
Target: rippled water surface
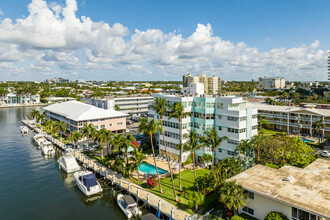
x,y
32,187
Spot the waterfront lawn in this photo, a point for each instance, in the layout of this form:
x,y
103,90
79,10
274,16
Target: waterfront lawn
x,y
187,180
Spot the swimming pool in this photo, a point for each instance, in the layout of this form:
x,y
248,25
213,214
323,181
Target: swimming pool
x,y
151,169
307,140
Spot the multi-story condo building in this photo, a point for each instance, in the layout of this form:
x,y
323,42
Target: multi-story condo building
x,y
298,193
228,115
76,114
293,119
212,84
21,99
131,104
271,82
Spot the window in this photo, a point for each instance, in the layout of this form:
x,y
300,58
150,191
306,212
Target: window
x,y
232,130
219,128
220,150
232,118
242,118
219,116
248,210
234,142
110,124
119,123
231,153
254,116
102,126
254,127
250,194
96,127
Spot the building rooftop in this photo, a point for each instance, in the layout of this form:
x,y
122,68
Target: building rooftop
x,y
79,111
285,109
309,189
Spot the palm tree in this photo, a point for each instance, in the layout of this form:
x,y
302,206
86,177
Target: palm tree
x,y
60,126
177,111
42,118
212,140
138,158
109,137
35,114
261,122
50,125
152,127
194,199
124,143
192,145
101,138
232,195
318,125
159,106
286,96
75,137
86,131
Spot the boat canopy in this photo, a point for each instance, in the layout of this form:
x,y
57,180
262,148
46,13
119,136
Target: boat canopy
x,y
89,180
149,216
129,200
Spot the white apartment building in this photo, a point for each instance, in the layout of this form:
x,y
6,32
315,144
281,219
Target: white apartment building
x,y
22,99
129,104
212,84
229,115
298,193
271,82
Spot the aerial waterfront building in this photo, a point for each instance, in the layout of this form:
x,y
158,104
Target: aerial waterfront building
x,y
76,114
298,193
271,83
212,84
130,104
290,119
227,114
13,98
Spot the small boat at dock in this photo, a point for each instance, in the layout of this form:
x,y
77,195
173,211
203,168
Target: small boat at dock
x,y
149,216
24,129
87,183
39,139
68,162
128,205
47,148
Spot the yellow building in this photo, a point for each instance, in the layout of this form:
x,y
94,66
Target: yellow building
x,y
212,84
298,193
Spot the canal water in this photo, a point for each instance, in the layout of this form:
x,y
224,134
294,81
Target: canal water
x,y
32,187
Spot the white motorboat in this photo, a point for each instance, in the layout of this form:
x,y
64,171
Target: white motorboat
x,y
68,163
24,129
128,205
47,148
39,139
87,183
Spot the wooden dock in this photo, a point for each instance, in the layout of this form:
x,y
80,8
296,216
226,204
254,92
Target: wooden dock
x,y
166,208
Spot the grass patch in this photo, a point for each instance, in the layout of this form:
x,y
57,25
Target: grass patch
x,y
187,180
271,132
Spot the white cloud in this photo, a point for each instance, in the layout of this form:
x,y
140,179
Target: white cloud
x,y
53,38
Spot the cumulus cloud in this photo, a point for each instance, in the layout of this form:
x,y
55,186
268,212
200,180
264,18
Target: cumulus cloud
x,y
53,38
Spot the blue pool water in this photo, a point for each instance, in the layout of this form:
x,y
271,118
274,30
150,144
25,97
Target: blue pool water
x,y
145,168
306,140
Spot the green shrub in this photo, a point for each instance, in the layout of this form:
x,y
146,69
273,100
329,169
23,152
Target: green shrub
x,y
247,217
43,100
188,161
272,165
276,216
237,217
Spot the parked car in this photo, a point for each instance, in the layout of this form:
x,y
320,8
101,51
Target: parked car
x,y
325,153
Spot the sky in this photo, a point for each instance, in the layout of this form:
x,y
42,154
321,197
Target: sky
x,y
163,40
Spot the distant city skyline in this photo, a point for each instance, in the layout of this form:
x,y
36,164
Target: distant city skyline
x,y
155,40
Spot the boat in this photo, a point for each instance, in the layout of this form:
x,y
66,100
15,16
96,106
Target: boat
x,y
87,183
68,163
149,216
39,139
24,129
128,205
47,148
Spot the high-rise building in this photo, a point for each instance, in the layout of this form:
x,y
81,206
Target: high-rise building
x,y
227,114
212,84
271,82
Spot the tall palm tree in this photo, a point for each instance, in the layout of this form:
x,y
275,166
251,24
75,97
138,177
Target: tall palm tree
x,y
152,127
177,111
35,114
101,138
86,131
192,145
286,96
75,137
212,140
109,137
124,143
138,158
42,118
318,125
160,107
262,121
232,195
50,125
60,126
